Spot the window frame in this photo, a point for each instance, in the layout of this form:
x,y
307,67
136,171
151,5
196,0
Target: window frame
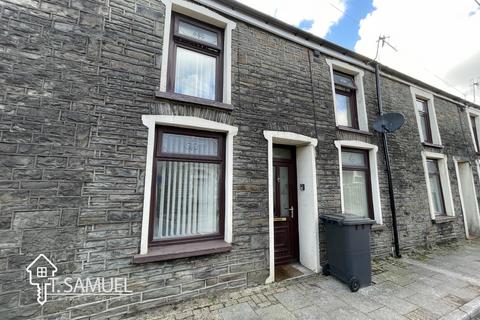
x,y
158,155
374,176
445,183
361,108
177,40
351,93
473,123
474,113
444,210
424,116
368,175
419,94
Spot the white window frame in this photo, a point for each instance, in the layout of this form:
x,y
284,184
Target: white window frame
x,y
372,156
357,74
205,15
474,113
432,115
151,121
444,180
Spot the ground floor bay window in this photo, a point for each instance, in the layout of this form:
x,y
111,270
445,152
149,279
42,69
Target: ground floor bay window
x,y
188,188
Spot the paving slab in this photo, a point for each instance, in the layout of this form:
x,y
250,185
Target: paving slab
x,y
442,284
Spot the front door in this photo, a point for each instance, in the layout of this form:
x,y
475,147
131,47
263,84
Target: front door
x,y
469,199
285,205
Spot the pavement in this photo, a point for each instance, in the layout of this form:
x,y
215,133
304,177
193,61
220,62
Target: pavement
x,y
443,283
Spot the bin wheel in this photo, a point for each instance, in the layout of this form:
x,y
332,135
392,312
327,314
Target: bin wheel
x,y
326,270
354,284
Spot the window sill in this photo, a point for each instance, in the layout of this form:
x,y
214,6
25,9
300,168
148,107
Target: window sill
x,y
378,227
432,145
183,250
193,100
445,219
352,130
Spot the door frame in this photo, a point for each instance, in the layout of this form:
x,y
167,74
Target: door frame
x,y
291,164
457,161
307,211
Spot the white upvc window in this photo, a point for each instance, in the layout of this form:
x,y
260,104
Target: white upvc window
x,y
439,191
364,188
424,108
348,95
474,125
173,8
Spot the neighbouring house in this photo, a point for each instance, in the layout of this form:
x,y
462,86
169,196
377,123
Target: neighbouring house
x,y
191,146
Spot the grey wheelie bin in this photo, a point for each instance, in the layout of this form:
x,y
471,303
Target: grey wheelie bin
x,y
348,249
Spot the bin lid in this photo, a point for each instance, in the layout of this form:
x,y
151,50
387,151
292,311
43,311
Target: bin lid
x,y
346,219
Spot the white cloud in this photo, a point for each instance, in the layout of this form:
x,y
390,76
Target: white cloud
x,y
432,36
323,13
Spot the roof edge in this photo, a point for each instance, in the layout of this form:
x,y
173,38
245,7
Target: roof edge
x,y
304,35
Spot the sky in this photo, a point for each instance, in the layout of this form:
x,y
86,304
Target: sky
x,y
436,41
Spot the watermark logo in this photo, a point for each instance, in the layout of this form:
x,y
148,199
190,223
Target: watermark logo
x,y
41,273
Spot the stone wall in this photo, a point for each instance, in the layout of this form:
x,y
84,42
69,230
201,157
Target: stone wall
x,y
75,79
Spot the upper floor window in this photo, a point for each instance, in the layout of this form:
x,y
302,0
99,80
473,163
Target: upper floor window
x,y
426,117
474,124
196,64
196,59
346,100
422,109
348,96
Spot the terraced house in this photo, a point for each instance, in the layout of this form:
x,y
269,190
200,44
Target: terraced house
x,y
191,146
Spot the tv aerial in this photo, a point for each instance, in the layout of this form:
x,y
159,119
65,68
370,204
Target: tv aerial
x,y
389,122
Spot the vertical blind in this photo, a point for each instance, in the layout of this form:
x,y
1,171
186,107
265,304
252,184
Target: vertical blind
x,y
187,199
187,187
355,183
355,193
435,186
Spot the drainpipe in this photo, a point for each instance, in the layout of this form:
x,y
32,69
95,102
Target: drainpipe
x,y
387,164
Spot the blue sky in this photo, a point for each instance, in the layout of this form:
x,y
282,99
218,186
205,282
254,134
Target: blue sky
x,y
427,48
345,32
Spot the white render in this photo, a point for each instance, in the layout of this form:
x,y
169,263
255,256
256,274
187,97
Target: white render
x,y
307,200
468,196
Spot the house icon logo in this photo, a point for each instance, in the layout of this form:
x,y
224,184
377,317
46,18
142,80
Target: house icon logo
x,y
41,271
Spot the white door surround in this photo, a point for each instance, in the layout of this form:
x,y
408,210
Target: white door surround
x,y
468,198
307,199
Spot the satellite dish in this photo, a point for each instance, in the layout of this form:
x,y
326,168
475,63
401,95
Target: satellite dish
x,y
389,122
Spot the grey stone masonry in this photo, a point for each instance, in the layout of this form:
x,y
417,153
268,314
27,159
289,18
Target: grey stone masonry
x,y
76,78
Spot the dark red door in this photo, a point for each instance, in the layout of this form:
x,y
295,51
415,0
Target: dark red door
x,y
285,205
